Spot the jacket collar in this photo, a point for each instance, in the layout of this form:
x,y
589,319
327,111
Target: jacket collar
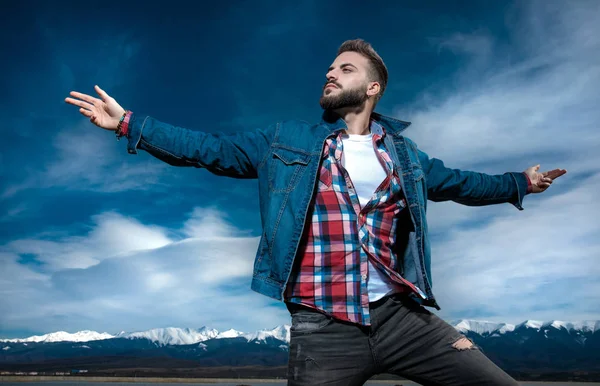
x,y
392,125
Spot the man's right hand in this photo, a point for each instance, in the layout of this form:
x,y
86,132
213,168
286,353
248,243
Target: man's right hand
x,y
104,113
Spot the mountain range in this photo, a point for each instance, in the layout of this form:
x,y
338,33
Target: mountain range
x,y
555,350
160,336
183,336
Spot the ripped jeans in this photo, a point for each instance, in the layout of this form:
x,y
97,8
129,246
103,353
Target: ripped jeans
x,y
404,339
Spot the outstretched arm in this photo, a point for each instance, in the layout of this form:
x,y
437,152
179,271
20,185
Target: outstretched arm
x,y
476,189
237,155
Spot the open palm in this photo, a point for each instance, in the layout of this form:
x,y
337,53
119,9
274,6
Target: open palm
x,y
542,181
104,112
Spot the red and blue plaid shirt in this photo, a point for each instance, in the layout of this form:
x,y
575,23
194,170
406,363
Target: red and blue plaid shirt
x,y
332,269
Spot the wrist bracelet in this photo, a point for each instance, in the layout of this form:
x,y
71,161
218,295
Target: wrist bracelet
x,y
119,131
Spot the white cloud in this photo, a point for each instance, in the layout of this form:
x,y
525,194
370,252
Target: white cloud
x,y
512,108
523,264
208,222
89,158
112,235
508,109
18,211
506,115
123,275
478,44
82,156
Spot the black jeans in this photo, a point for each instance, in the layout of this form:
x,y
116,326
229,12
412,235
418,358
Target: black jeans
x,y
404,339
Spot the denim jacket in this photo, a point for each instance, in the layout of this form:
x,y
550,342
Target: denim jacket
x,y
284,158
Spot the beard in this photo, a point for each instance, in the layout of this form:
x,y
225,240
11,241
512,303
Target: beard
x,y
344,98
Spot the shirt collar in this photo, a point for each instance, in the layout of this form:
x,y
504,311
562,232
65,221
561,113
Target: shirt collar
x,y
376,128
334,122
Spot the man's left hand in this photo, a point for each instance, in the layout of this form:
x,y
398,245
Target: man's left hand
x,y
541,181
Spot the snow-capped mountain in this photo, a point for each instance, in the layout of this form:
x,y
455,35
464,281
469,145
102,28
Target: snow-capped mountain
x,y
280,332
586,325
482,328
184,336
62,336
534,324
231,333
174,336
530,347
163,336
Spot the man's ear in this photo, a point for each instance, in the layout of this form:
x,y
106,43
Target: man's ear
x,y
373,89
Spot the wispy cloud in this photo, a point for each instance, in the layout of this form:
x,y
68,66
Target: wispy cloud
x,y
520,106
523,264
125,275
15,212
75,154
527,98
506,114
87,159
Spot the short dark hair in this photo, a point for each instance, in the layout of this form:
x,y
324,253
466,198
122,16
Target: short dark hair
x,y
377,72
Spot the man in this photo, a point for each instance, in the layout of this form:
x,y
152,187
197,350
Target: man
x,y
344,240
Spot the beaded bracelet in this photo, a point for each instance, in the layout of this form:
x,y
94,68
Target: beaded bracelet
x,y
119,132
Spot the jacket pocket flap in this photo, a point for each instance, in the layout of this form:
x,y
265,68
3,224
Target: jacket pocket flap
x,y
418,172
289,156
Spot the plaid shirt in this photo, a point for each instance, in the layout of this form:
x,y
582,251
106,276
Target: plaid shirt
x,y
332,271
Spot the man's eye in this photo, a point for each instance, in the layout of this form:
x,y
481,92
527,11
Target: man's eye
x,y
346,70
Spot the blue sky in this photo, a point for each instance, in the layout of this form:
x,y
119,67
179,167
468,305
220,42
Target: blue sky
x,y
94,238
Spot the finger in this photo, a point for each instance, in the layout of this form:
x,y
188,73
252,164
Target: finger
x,y
85,97
87,113
560,172
537,167
79,103
555,173
102,93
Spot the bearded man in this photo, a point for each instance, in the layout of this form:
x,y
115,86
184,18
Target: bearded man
x,y
344,239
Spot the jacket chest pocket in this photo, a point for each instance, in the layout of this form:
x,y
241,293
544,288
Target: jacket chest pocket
x,y
421,183
286,167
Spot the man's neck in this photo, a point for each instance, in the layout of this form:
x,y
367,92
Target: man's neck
x,y
358,122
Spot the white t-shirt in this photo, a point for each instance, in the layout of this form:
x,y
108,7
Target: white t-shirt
x,y
360,160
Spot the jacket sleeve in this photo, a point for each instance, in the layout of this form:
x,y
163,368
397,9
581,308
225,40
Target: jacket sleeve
x,y
237,155
471,188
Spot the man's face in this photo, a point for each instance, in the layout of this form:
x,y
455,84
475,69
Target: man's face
x,y
347,82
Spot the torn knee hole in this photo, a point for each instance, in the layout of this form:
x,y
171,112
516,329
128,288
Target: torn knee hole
x,y
463,344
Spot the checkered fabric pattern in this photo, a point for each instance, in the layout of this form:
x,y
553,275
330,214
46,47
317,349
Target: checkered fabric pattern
x,y
331,271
